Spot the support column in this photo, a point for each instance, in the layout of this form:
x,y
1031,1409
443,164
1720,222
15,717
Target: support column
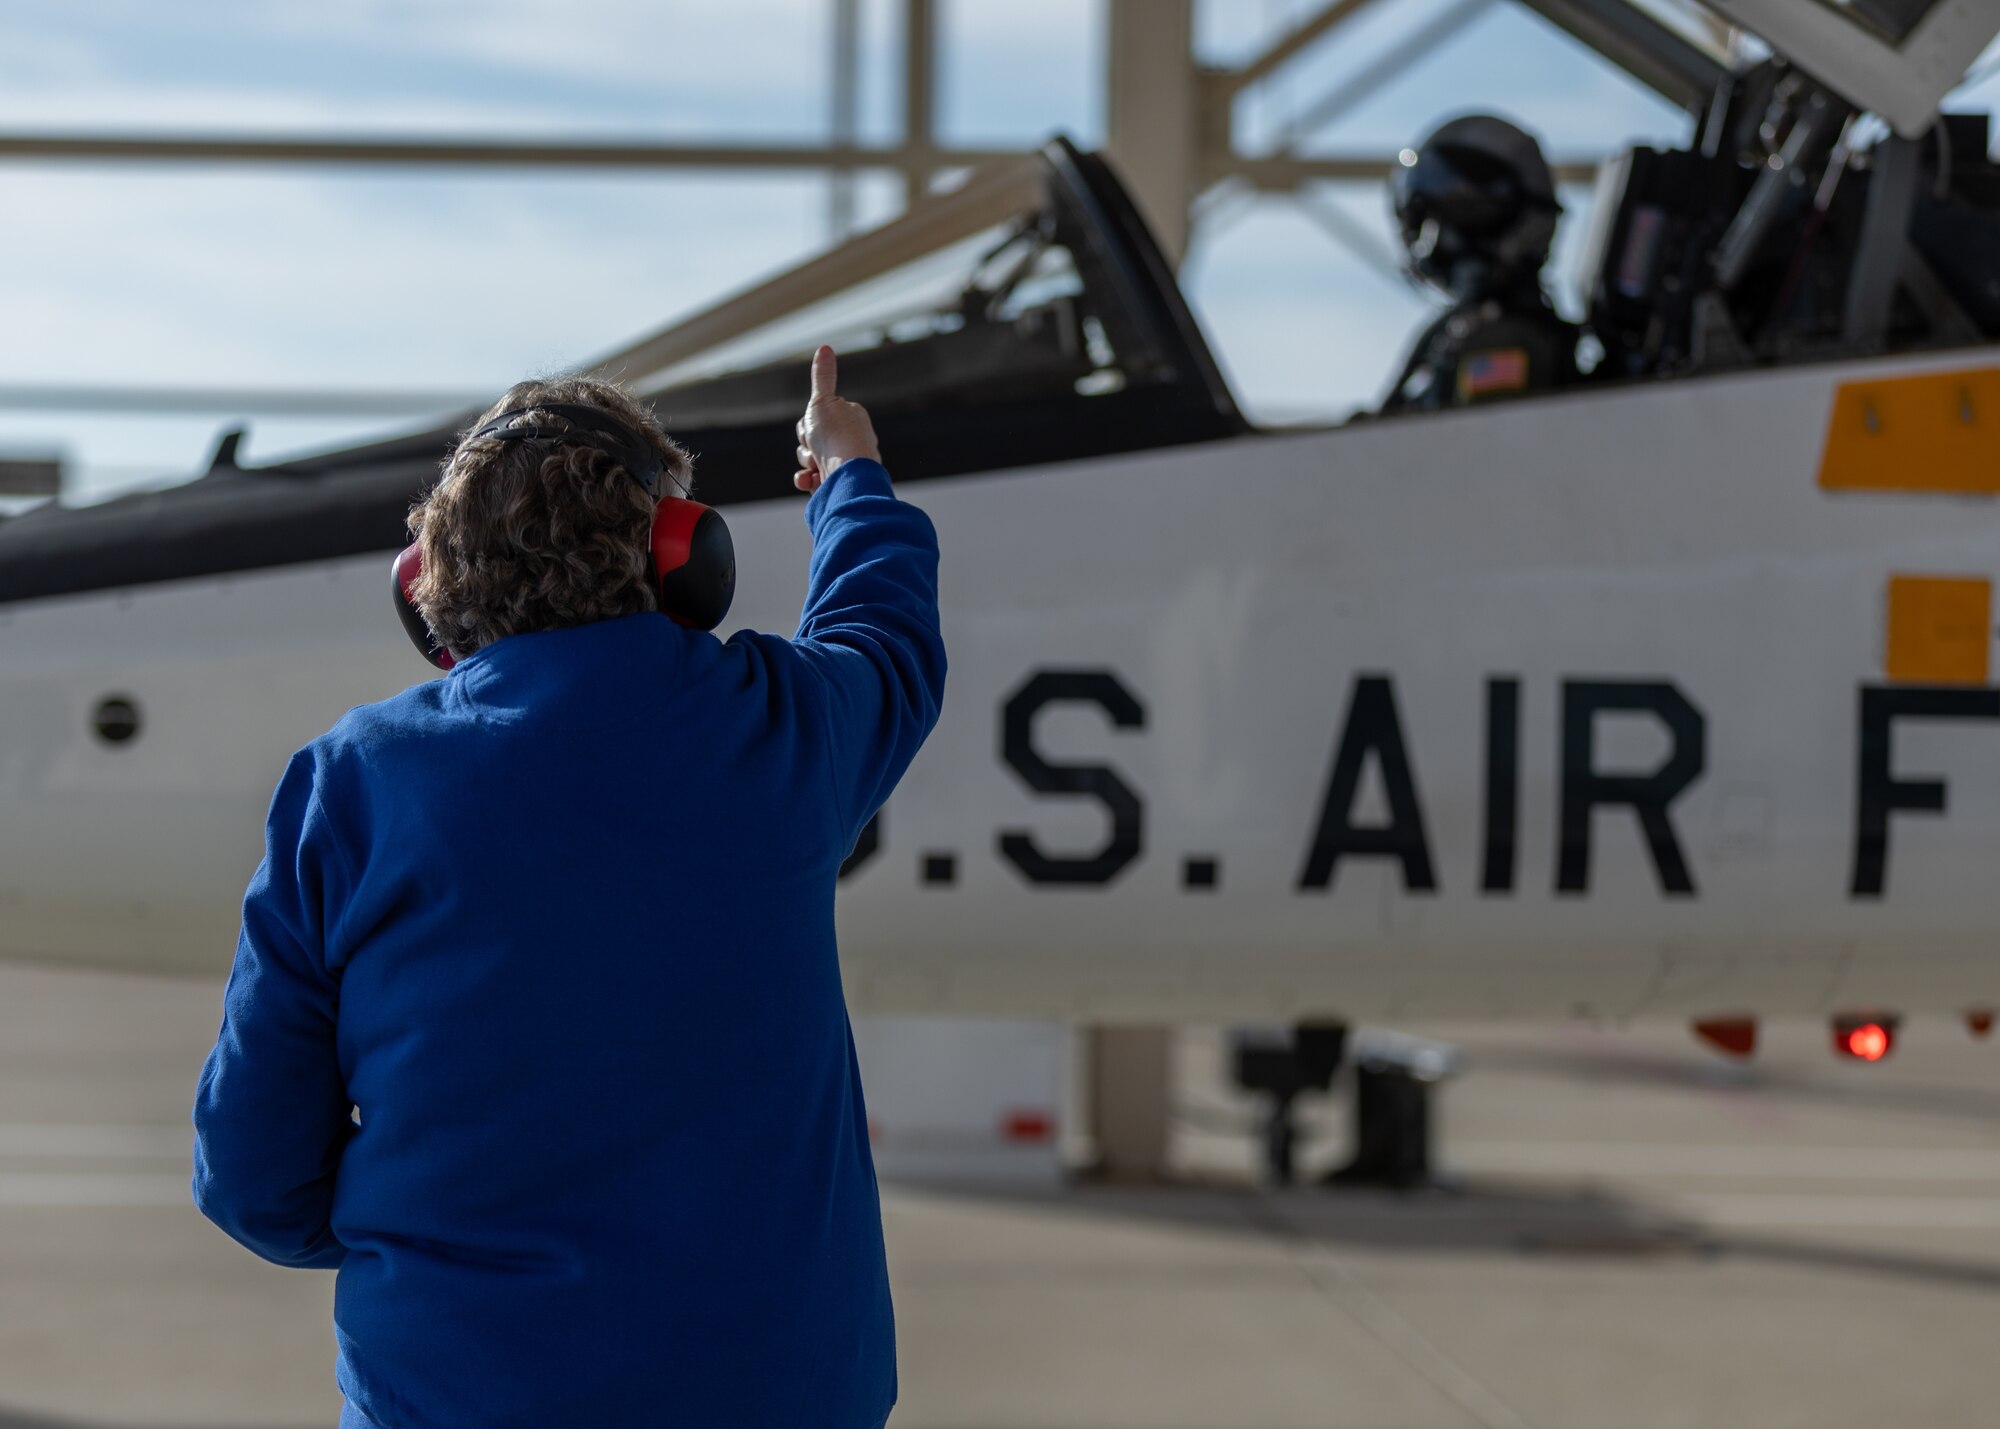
x,y
1153,112
843,125
1151,133
919,92
1130,1083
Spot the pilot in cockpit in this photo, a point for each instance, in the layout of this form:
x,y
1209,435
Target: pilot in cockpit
x,y
1476,207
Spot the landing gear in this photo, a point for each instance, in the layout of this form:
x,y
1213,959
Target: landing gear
x,y
1394,1076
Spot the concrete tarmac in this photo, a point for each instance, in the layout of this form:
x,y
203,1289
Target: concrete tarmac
x,y
1640,1235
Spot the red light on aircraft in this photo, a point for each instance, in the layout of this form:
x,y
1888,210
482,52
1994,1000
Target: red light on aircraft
x,y
1869,1042
1866,1039
1979,1021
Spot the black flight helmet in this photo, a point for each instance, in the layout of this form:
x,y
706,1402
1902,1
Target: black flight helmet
x,y
1476,206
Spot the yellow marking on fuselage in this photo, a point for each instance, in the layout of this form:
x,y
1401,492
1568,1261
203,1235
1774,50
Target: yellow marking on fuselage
x,y
1936,432
1940,629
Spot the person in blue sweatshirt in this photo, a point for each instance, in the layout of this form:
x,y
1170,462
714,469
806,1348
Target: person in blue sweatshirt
x,y
535,1029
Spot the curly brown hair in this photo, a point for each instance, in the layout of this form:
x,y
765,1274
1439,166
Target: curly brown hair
x,y
525,535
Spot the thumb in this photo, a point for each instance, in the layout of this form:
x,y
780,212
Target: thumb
x,y
822,372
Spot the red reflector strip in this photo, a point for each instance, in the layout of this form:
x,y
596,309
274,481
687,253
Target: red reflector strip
x,y
1735,1035
1027,1126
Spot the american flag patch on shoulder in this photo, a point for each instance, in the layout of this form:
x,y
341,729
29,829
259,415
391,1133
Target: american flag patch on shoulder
x,y
1502,369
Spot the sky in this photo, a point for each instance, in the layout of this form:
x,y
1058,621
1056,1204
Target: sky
x,y
464,281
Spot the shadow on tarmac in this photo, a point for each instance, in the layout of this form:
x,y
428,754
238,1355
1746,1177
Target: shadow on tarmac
x,y
1971,1275
1467,1218
1646,1067
10,1419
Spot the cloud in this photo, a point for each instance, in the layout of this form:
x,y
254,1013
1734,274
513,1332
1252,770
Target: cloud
x,y
1015,73
280,279
751,67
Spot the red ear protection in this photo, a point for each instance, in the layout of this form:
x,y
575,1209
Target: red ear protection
x,y
404,570
694,562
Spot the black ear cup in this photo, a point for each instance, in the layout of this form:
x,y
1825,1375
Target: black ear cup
x,y
695,560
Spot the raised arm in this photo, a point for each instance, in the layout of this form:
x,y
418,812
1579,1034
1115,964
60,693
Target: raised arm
x,y
271,1112
869,632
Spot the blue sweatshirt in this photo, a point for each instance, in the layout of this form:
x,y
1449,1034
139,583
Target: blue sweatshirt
x,y
536,1030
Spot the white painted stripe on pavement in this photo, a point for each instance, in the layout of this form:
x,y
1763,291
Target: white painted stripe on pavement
x,y
26,1138
1839,1163
1778,1212
70,1189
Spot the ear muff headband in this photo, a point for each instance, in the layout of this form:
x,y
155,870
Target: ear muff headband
x,y
633,452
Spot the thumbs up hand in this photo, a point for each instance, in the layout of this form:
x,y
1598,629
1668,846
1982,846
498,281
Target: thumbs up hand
x,y
832,430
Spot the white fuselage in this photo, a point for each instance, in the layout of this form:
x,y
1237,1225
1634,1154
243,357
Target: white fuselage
x,y
1204,621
